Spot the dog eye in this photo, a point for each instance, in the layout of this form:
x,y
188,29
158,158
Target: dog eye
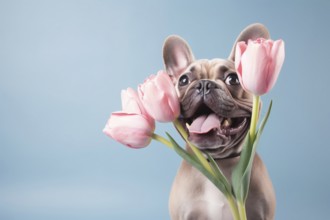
x,y
232,79
184,80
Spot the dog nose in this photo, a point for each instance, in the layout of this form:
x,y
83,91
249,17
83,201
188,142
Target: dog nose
x,y
204,87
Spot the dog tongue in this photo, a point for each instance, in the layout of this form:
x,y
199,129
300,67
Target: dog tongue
x,y
204,124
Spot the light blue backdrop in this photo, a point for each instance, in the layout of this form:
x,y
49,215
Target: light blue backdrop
x,y
64,63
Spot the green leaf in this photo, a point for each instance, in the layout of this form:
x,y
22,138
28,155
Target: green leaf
x,y
199,155
264,121
218,172
192,160
242,172
240,169
195,150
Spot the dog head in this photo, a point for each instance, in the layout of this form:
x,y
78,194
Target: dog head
x,y
214,107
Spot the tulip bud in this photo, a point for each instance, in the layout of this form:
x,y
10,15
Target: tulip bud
x,y
258,64
132,126
159,97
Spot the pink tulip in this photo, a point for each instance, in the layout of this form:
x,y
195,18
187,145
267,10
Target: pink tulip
x,y
132,130
258,64
131,103
159,97
132,126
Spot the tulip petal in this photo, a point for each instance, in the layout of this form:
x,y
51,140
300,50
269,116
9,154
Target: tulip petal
x,y
159,97
165,84
278,55
254,63
131,102
240,49
175,107
132,130
159,109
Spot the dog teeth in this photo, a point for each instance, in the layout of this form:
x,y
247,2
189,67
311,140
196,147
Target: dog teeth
x,y
227,122
187,125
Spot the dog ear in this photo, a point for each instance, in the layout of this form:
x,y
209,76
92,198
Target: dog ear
x,y
177,55
252,32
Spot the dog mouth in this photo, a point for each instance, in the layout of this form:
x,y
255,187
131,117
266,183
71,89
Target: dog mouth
x,y
206,122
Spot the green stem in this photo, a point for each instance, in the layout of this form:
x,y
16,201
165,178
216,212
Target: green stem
x,y
181,129
254,119
196,151
242,210
233,207
162,140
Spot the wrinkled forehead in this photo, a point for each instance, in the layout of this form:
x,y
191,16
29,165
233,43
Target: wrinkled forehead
x,y
211,69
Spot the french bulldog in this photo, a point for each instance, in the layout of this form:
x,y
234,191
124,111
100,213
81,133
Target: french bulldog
x,y
216,113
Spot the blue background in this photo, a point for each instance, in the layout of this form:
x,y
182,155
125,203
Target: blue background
x,y
64,63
